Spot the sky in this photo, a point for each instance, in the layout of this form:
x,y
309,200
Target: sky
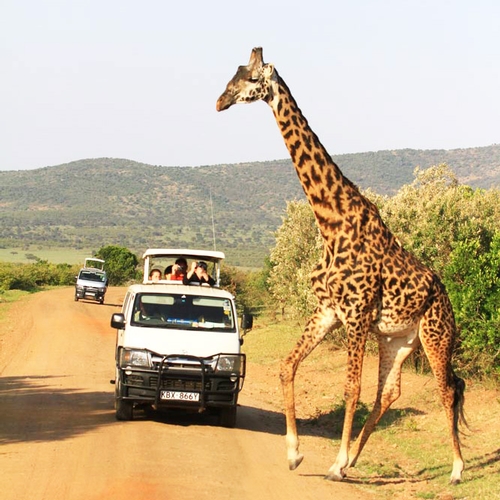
x,y
139,80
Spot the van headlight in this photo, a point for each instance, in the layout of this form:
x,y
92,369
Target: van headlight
x,y
135,357
228,363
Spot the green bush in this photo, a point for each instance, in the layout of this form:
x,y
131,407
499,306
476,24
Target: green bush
x,y
472,278
33,276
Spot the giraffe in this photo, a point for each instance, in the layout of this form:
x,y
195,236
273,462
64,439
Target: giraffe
x,y
365,281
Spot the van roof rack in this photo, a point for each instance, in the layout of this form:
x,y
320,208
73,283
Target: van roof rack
x,y
94,263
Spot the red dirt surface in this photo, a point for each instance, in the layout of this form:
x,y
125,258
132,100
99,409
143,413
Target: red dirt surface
x,y
60,440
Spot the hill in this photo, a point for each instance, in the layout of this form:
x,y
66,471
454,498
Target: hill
x,y
96,202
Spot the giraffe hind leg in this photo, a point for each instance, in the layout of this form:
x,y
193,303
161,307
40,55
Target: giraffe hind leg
x,y
437,340
356,333
392,353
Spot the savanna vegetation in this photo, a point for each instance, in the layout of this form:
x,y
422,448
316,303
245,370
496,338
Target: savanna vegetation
x,y
121,267
454,228
89,204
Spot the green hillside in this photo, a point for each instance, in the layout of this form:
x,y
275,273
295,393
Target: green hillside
x,y
96,202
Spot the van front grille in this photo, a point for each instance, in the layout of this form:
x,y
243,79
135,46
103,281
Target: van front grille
x,y
177,385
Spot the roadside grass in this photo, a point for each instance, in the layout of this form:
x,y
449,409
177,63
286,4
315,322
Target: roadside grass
x,y
409,454
9,296
270,341
7,299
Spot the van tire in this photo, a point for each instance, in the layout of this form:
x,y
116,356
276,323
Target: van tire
x,y
124,410
227,417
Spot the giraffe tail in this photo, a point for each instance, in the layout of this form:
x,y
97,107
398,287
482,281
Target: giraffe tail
x,y
458,404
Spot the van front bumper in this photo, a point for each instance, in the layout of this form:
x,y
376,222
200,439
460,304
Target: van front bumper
x,y
187,382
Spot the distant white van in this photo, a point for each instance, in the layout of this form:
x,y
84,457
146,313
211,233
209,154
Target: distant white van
x,y
92,280
177,345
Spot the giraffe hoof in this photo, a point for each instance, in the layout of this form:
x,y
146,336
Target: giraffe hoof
x,y
334,476
293,463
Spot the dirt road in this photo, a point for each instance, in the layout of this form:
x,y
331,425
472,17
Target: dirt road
x,y
60,440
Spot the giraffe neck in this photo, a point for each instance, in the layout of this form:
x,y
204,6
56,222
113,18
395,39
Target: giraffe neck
x,y
330,194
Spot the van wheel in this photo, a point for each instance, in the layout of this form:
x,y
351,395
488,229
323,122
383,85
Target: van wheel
x,y
227,417
124,409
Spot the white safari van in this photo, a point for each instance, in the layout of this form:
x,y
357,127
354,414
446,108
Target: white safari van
x,y
179,345
92,280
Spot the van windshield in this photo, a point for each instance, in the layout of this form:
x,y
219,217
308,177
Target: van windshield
x,y
93,276
182,311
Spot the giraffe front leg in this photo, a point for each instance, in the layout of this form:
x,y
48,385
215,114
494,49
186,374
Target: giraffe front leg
x,y
336,471
323,321
294,457
287,376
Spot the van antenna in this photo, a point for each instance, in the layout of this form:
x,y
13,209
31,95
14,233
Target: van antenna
x,y
213,222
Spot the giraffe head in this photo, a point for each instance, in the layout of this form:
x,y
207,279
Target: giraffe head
x,y
251,83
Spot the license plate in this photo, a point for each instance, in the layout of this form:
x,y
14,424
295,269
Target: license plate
x,y
180,396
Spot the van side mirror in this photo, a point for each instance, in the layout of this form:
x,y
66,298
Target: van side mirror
x,y
246,322
118,321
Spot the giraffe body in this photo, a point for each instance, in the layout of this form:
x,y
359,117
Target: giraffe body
x,y
365,281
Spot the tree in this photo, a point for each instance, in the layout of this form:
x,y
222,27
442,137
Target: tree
x,y
248,287
434,212
297,250
120,263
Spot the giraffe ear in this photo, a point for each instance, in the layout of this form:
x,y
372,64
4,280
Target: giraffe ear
x,y
268,70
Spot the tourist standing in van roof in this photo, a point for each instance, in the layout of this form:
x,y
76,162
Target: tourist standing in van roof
x,y
178,270
198,275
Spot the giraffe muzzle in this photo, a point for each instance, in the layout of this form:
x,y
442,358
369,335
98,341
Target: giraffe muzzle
x,y
223,102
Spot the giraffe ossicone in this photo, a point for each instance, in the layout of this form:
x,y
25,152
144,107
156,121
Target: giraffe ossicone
x,y
365,281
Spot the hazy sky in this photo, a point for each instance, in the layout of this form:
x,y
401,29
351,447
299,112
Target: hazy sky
x,y
139,79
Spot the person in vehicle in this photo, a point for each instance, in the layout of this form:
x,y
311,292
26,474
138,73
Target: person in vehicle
x,y
198,275
168,272
178,270
155,275
146,312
